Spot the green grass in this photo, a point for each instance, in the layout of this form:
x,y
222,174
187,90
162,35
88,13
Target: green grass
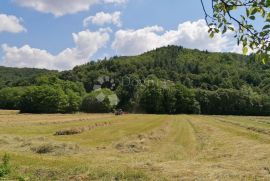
x,y
135,147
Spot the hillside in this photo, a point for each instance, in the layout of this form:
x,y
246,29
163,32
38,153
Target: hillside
x,y
168,80
19,76
223,83
193,68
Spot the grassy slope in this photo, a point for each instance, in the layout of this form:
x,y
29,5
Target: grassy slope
x,y
137,147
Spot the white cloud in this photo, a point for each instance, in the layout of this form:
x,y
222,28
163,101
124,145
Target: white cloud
x,y
87,44
102,18
189,34
10,23
63,7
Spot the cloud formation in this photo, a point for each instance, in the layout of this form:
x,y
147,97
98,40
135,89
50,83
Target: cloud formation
x,y
63,7
126,42
87,43
11,24
102,18
188,34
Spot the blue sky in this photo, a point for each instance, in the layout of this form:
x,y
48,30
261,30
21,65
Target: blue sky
x,y
50,33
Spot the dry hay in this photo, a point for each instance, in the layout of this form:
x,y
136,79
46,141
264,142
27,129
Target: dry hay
x,y
39,145
56,149
251,128
142,142
73,131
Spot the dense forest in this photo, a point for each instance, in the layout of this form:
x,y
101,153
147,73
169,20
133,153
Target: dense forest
x,y
11,77
168,80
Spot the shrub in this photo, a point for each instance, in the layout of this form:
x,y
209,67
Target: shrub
x,y
151,99
74,102
10,97
186,101
98,102
44,99
5,167
168,98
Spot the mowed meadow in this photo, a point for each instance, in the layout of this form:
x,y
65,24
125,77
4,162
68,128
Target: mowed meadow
x,y
135,147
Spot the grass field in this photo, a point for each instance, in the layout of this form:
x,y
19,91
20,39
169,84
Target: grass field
x,y
135,147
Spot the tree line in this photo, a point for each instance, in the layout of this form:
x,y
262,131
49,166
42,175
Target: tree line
x,y
53,95
169,80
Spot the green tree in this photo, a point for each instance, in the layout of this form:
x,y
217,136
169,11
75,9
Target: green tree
x,y
99,101
10,97
151,97
127,91
225,17
44,99
74,102
169,99
185,100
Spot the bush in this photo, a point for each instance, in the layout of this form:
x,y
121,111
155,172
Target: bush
x,y
74,102
10,98
5,167
186,101
151,99
44,99
49,99
52,95
99,101
168,99
233,102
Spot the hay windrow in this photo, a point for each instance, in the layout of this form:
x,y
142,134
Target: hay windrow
x,y
135,147
79,130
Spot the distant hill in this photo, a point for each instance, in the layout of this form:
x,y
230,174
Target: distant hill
x,y
195,82
193,68
19,76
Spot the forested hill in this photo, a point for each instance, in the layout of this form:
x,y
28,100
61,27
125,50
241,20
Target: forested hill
x,y
19,76
168,80
192,68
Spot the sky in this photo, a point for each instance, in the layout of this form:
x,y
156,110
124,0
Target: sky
x,y
60,34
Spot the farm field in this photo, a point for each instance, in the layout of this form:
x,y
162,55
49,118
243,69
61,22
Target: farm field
x,y
135,147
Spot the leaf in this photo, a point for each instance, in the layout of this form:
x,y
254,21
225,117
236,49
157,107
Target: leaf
x,y
266,27
244,41
211,35
262,12
224,30
252,17
247,12
245,50
268,18
220,25
268,3
263,61
216,30
231,28
253,10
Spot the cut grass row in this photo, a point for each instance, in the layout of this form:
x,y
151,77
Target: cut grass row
x,y
137,147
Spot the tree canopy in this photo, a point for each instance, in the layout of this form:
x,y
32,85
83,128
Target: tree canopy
x,y
168,80
242,17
